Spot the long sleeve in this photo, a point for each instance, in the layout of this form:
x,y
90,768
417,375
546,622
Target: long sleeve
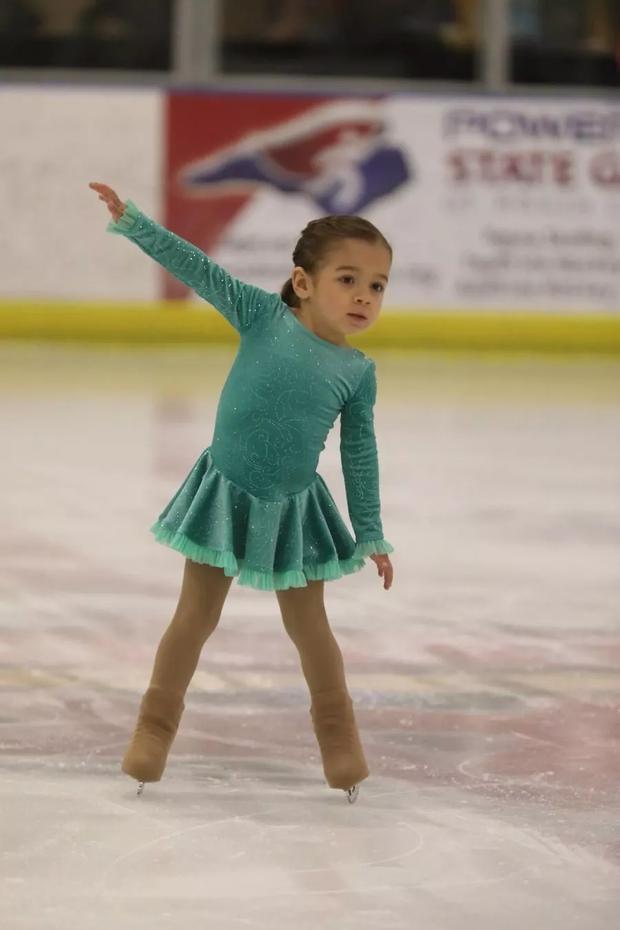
x,y
238,302
358,453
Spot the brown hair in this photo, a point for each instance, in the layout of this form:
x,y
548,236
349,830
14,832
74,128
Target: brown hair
x,y
318,237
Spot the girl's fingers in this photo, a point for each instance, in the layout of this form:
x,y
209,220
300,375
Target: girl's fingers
x,y
111,199
106,193
97,186
386,571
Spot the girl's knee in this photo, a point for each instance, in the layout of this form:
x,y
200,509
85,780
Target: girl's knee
x,y
193,624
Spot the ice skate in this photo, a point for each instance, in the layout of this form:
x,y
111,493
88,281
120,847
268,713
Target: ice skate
x,y
334,724
158,721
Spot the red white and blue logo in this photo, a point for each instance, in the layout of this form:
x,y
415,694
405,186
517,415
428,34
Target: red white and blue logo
x,y
338,155
223,148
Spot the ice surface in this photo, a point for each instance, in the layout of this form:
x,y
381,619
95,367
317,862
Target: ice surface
x,y
485,681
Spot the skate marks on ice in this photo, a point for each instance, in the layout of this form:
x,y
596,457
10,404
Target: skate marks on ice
x,y
485,680
248,848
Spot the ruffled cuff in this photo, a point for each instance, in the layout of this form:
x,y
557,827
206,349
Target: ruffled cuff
x,y
373,547
127,220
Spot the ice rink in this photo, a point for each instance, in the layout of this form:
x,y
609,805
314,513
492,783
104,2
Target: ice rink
x,y
486,681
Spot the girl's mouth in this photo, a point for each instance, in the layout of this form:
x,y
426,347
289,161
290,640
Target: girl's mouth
x,y
357,316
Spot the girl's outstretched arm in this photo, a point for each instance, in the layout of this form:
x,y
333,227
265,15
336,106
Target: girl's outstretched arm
x,y
238,302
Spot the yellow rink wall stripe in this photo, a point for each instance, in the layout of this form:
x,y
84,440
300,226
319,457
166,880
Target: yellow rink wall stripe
x,y
178,322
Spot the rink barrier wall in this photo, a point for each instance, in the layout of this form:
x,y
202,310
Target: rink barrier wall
x,y
154,322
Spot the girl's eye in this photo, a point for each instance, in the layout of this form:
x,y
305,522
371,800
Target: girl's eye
x,y
349,279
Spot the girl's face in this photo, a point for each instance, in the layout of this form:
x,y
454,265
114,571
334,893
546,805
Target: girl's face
x,y
346,292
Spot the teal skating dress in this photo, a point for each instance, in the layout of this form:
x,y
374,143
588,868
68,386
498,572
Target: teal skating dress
x,y
253,503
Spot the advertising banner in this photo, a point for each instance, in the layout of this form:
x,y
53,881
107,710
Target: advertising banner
x,y
499,204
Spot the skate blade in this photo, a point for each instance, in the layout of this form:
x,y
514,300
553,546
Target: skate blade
x,y
352,793
140,788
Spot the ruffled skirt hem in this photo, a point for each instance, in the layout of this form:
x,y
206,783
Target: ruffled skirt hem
x,y
249,577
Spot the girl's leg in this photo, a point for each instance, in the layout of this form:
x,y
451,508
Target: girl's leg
x,y
197,614
202,597
305,620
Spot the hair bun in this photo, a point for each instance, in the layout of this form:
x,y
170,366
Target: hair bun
x,y
288,294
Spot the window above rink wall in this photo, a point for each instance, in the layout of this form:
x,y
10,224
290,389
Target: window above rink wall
x,y
472,44
425,39
566,42
90,34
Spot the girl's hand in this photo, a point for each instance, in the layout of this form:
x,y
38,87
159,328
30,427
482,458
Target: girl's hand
x,y
385,568
111,199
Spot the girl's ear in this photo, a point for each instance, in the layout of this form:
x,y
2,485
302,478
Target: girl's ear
x,y
301,282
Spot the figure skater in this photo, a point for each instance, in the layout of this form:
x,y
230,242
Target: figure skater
x,y
253,505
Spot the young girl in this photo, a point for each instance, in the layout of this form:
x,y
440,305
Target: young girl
x,y
253,505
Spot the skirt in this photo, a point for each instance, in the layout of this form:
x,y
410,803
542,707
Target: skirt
x,y
265,544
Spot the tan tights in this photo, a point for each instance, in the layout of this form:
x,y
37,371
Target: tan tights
x,y
198,611
305,621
